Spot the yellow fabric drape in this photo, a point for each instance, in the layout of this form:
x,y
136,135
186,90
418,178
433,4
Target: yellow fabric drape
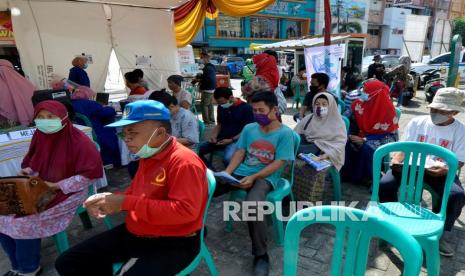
x,y
241,7
187,28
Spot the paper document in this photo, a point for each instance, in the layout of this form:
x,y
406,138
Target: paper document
x,y
226,178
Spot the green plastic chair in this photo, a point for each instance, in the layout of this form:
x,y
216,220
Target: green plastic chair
x,y
398,113
191,90
284,189
298,97
426,226
204,254
87,122
61,239
335,175
201,133
361,228
341,105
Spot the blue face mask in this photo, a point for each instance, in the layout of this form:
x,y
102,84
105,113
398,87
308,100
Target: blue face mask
x,y
364,96
85,66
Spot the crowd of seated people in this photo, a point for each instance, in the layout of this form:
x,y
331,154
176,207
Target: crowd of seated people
x,y
168,194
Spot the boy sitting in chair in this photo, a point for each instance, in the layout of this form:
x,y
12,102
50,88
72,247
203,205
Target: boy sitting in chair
x,y
263,149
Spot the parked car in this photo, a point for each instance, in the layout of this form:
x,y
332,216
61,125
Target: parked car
x,y
235,65
433,64
438,63
389,61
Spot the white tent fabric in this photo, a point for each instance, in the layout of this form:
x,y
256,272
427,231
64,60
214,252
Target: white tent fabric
x,y
154,51
50,33
301,43
158,4
59,36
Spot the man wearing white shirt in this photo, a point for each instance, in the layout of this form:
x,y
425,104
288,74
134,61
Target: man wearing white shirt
x,y
442,129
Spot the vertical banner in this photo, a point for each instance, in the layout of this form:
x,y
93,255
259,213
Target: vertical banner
x,y
316,61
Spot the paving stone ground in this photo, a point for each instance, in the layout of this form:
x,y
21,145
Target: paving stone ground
x,y
232,252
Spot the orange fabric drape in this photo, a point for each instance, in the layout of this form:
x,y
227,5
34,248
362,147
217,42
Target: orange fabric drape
x,y
189,17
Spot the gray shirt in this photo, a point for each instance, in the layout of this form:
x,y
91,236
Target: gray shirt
x,y
185,125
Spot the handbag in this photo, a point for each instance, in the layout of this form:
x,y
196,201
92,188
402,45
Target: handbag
x,y
24,195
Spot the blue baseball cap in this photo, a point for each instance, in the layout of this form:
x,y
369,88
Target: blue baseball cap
x,y
139,111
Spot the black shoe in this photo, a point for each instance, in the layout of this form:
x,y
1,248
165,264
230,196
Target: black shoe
x,y
261,265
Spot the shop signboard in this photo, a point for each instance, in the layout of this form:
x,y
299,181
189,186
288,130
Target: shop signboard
x,y
6,29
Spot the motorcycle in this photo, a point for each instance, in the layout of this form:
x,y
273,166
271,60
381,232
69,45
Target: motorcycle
x,y
432,86
428,75
401,89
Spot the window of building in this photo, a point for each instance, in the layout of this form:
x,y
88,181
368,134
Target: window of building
x,y
294,28
229,26
373,32
264,27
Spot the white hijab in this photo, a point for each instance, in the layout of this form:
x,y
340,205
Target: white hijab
x,y
328,133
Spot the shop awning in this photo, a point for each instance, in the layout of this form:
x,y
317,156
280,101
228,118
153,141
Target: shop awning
x,y
255,46
308,42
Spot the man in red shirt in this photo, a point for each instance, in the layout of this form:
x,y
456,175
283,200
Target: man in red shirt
x,y
164,203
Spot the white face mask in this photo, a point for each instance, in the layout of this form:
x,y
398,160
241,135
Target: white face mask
x,y
438,119
146,151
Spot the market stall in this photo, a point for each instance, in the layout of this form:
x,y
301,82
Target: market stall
x,y
354,48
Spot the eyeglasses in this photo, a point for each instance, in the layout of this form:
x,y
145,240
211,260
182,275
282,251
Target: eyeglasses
x,y
127,136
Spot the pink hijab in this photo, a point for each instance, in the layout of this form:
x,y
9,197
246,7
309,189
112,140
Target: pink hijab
x,y
15,95
77,91
83,92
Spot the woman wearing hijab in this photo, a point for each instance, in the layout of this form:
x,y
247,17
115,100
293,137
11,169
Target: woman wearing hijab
x,y
267,67
248,72
376,124
99,116
77,74
324,132
68,161
15,94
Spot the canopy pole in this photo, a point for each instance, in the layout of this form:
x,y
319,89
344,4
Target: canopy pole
x,y
327,9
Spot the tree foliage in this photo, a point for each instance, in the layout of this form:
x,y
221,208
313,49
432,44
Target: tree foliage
x,y
459,28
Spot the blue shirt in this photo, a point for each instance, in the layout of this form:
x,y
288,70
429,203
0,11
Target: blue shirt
x,y
264,148
234,119
79,76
